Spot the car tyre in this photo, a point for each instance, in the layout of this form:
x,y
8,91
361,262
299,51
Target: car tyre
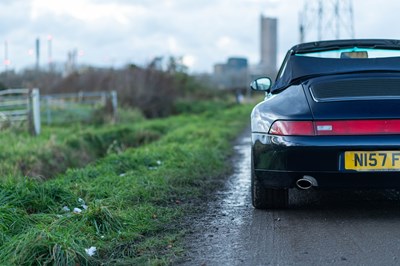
x,y
267,198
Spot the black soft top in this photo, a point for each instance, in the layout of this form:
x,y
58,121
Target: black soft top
x,y
298,67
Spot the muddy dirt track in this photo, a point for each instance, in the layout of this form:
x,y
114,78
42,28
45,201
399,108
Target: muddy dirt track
x,y
344,227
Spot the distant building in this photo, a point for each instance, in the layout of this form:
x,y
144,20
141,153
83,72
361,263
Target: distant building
x,y
236,72
237,63
232,74
268,45
219,69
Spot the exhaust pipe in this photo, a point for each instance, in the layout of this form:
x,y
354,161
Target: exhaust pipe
x,y
306,182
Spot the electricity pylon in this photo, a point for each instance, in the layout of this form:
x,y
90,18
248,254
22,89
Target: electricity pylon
x,y
326,19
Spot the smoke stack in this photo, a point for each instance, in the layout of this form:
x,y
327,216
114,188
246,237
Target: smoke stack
x,y
6,55
37,53
50,59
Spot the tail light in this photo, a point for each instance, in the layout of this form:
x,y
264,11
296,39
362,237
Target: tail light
x,y
292,128
336,127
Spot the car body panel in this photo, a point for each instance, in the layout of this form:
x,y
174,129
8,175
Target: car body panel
x,y
316,153
290,158
291,104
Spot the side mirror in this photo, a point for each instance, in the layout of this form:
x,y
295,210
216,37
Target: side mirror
x,y
261,84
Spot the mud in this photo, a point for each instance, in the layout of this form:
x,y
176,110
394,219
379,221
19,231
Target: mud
x,y
321,227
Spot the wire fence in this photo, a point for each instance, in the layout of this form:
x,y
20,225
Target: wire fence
x,y
25,107
77,107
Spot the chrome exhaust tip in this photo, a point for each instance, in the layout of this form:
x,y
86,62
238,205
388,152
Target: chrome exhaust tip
x,y
306,182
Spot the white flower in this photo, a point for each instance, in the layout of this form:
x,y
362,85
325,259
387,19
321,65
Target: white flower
x,y
77,210
90,251
83,204
81,201
66,209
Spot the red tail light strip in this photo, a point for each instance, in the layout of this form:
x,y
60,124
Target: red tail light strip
x,y
336,127
360,127
292,128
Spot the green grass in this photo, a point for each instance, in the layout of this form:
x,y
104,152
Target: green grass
x,y
59,148
136,194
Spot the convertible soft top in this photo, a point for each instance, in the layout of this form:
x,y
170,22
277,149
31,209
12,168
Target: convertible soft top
x,y
299,67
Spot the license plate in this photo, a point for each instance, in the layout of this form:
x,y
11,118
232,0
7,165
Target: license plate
x,y
372,160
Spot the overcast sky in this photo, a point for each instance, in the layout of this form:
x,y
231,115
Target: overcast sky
x,y
203,32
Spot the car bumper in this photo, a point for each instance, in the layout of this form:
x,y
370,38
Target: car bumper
x,y
279,161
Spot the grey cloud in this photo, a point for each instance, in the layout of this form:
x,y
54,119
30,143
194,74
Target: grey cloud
x,y
196,25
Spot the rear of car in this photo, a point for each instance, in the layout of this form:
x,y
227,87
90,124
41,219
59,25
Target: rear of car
x,y
332,119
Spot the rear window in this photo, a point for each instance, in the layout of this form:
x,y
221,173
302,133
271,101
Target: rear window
x,y
356,53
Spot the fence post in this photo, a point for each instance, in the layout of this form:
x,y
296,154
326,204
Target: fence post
x,y
103,98
114,103
34,117
48,111
80,96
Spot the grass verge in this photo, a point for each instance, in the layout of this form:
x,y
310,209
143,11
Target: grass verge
x,y
126,206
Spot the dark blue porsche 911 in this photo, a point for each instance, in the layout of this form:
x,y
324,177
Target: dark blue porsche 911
x,y
330,120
